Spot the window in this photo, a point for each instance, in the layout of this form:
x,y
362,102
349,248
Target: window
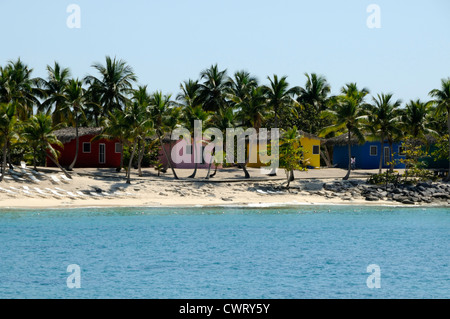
x,y
189,149
86,147
101,153
401,151
373,150
316,149
118,148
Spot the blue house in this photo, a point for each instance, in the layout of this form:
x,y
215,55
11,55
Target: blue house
x,y
367,155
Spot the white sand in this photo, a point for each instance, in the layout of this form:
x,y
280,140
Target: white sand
x,y
227,188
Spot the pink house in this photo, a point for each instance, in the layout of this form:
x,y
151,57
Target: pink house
x,y
184,156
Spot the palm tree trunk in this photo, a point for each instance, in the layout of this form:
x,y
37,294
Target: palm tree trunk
x,y
118,169
59,166
77,145
131,162
167,157
288,178
209,170
210,164
391,157
34,159
4,161
195,171
291,175
194,147
326,156
141,156
244,168
349,157
381,155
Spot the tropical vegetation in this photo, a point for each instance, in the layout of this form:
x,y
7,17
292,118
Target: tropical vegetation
x,y
32,108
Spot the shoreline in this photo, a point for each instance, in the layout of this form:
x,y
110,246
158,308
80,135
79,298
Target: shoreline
x,y
312,188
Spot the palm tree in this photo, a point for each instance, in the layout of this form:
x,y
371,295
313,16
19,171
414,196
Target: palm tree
x,y
142,98
222,120
139,124
347,114
74,98
280,98
315,92
190,115
442,101
17,86
160,110
93,106
53,89
114,85
384,121
415,119
212,91
253,110
39,130
8,130
115,127
241,86
192,110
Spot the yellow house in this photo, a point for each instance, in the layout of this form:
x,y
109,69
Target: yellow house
x,y
311,146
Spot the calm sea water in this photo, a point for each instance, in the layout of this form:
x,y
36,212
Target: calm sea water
x,y
302,252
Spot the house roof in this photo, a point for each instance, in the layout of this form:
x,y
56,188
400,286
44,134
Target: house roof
x,y
343,139
262,134
67,134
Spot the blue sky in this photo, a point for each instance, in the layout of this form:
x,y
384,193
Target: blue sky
x,y
167,42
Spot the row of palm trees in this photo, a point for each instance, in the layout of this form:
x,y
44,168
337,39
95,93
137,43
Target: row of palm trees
x,y
130,113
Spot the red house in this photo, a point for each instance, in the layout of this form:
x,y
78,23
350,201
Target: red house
x,y
100,153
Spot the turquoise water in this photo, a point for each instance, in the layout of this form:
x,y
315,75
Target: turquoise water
x,y
302,252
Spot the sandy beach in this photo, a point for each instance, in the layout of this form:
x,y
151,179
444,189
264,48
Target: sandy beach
x,y
106,188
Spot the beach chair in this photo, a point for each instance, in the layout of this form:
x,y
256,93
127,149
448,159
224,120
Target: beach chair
x,y
64,178
33,178
5,177
37,173
41,192
30,176
96,195
54,192
55,179
82,195
9,192
17,178
27,193
71,194
23,165
106,194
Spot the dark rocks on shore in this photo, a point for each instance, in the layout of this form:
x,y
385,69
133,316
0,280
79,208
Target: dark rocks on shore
x,y
438,192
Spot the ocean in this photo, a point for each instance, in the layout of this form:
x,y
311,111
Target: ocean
x,y
226,252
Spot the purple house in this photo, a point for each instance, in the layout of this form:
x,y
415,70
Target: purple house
x,y
184,156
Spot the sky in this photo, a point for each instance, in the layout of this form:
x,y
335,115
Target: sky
x,y
167,42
